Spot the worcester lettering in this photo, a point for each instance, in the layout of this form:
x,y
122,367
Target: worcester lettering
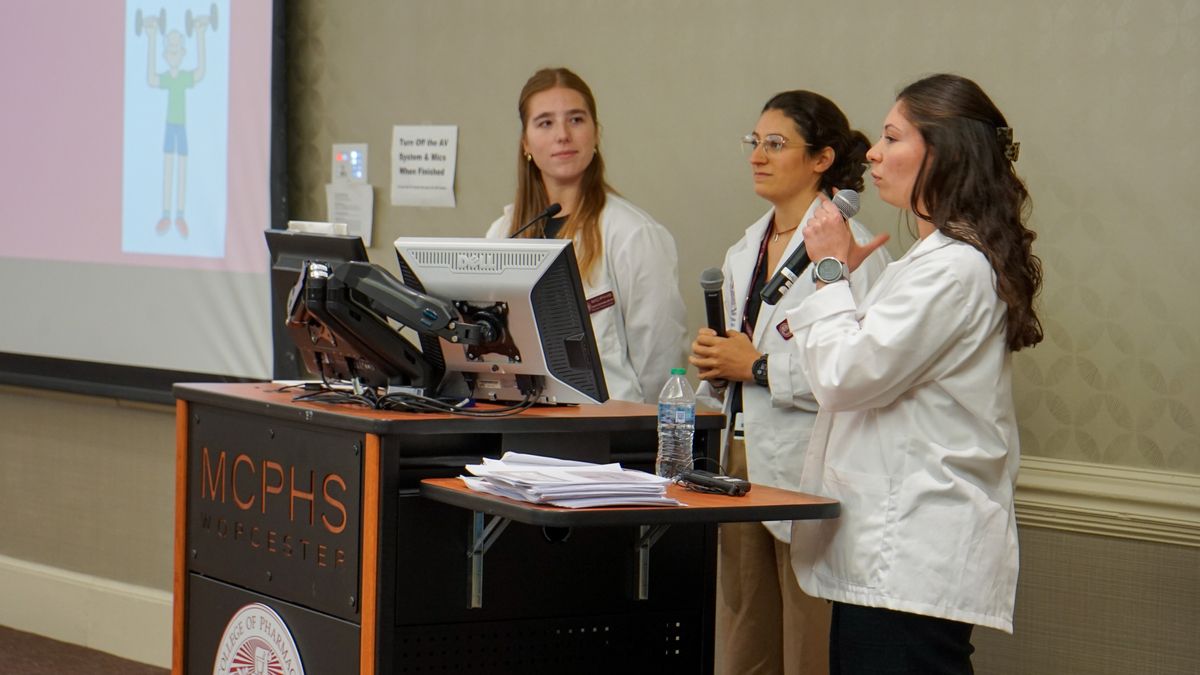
x,y
273,542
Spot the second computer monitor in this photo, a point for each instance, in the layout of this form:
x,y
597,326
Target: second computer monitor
x,y
533,287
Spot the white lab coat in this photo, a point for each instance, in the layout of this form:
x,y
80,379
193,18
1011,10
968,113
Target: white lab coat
x,y
916,437
778,422
642,335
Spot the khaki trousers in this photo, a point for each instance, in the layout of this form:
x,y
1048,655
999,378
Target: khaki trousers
x,y
765,623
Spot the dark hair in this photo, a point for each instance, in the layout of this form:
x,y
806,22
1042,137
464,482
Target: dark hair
x,y
972,192
582,226
823,125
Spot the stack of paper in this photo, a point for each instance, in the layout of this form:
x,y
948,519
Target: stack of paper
x,y
561,482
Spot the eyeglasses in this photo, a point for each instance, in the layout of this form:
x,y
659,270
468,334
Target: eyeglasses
x,y
772,144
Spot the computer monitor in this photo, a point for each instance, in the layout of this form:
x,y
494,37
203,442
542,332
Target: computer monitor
x,y
534,287
288,251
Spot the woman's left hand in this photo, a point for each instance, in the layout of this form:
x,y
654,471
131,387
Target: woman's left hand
x,y
723,358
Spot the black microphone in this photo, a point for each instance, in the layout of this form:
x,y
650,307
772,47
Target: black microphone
x,y
713,281
846,202
550,212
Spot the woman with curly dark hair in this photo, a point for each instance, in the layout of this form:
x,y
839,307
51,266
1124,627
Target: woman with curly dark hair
x,y
802,146
917,434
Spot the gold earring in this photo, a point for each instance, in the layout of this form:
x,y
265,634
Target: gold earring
x,y
528,157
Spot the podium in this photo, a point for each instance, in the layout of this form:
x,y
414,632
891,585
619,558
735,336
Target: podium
x,y
304,545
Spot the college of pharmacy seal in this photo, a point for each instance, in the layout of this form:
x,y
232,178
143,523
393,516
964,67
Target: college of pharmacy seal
x,y
257,642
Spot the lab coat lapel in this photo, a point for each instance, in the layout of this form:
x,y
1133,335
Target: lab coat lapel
x,y
766,314
741,266
770,316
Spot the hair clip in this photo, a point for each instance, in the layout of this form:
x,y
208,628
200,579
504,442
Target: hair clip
x,y
1005,136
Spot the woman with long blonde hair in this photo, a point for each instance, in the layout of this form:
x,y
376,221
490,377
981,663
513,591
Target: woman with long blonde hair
x,y
627,260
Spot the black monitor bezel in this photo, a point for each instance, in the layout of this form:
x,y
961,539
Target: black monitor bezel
x,y
289,250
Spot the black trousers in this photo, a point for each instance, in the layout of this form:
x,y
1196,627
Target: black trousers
x,y
874,641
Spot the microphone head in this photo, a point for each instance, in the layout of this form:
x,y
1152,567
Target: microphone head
x,y
712,279
846,201
554,208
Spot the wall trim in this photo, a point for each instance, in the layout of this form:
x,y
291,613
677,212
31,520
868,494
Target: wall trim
x,y
1056,494
1109,500
132,622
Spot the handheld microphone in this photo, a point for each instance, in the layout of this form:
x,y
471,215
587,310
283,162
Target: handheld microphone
x,y
550,212
712,281
846,202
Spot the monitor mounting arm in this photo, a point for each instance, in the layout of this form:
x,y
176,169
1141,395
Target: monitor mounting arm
x,y
374,289
343,318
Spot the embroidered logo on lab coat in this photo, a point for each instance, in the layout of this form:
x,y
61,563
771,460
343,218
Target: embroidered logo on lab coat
x,y
784,329
602,301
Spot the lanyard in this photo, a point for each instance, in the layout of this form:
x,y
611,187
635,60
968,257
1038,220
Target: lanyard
x,y
758,270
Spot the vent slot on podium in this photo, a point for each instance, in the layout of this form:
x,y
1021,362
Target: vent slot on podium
x,y
663,643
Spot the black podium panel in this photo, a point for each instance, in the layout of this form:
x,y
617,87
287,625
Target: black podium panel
x,y
275,507
535,571
645,642
326,645
308,515
555,600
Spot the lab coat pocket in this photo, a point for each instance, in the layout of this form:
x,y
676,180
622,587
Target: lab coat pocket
x,y
860,550
957,529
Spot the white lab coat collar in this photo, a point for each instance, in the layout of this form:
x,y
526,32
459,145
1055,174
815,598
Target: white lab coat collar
x,y
741,266
920,248
933,242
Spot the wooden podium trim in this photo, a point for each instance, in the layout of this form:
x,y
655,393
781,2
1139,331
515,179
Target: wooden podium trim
x,y
368,593
179,606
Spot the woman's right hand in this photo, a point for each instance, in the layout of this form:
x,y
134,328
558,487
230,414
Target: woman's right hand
x,y
828,235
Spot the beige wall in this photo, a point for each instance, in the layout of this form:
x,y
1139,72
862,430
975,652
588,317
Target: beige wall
x,y
87,484
1104,98
1089,605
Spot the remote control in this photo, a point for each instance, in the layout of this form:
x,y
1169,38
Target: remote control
x,y
717,482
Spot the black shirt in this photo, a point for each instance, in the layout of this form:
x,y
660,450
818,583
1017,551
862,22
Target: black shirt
x,y
553,227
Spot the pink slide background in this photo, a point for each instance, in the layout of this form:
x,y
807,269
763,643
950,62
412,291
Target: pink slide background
x,y
63,125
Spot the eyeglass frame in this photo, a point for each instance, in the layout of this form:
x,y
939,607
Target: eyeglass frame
x,y
751,141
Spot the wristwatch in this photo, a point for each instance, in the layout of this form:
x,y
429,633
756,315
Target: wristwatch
x,y
759,370
829,270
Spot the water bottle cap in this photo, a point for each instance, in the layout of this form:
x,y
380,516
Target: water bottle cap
x,y
679,371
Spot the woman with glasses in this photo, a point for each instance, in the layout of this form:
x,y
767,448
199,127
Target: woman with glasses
x,y
627,260
801,151
917,435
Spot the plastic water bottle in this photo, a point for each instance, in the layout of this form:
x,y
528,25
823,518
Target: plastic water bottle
x,y
676,425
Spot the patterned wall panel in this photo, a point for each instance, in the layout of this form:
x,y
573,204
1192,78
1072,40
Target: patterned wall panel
x,y
1104,97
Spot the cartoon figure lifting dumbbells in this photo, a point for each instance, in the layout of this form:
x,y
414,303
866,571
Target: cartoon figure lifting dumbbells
x,y
176,82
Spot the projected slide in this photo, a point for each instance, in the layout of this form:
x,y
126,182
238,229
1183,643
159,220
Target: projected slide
x,y
137,173
176,129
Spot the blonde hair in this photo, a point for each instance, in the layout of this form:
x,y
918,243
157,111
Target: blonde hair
x,y
582,226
